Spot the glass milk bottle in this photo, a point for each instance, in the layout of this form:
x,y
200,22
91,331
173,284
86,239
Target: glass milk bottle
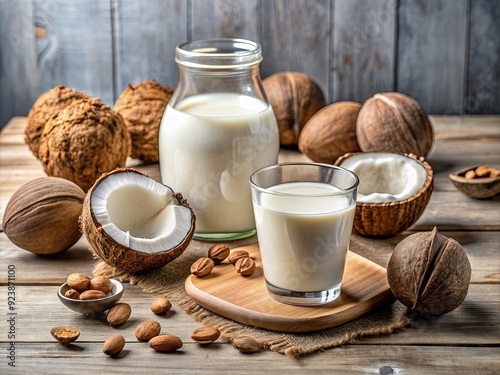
x,y
217,129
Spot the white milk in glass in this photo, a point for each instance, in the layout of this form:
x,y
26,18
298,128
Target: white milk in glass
x,y
210,144
304,239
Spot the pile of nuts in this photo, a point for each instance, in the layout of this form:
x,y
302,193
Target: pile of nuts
x,y
241,260
146,331
483,171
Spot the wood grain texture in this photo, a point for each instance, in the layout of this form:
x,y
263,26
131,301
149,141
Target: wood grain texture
x,y
484,52
146,34
18,58
363,46
77,50
226,19
295,37
432,45
364,288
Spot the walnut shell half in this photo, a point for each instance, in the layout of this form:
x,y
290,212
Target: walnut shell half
x,y
429,273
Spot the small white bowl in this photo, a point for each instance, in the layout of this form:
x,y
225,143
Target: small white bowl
x,y
93,306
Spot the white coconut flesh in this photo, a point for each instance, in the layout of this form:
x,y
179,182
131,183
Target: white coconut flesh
x,y
386,177
140,213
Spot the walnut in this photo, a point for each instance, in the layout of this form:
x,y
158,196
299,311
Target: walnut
x,y
142,107
47,105
429,273
85,140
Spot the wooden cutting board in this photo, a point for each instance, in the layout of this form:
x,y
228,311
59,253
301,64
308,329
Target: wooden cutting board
x,y
245,299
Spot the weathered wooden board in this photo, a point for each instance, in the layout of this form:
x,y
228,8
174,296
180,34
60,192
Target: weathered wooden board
x,y
145,36
432,49
363,44
295,37
484,50
79,57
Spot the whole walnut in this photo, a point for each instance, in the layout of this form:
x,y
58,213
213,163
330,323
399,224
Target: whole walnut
x,y
85,140
394,122
142,107
429,273
295,98
331,132
47,105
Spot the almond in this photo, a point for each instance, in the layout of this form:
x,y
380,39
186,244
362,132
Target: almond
x,y
147,330
218,253
101,283
160,305
65,334
245,266
202,267
205,335
113,345
165,343
78,281
118,314
92,294
237,254
246,344
72,293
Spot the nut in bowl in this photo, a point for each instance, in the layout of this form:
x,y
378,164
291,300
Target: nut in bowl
x,y
394,190
91,306
480,182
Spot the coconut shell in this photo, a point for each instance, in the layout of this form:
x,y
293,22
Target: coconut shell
x,y
85,140
479,188
331,132
388,219
47,105
42,215
295,98
117,255
142,107
394,122
429,273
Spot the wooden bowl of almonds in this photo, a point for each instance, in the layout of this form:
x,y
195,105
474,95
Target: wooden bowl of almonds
x,y
480,182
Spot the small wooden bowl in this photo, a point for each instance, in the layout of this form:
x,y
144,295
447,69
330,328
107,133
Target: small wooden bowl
x,y
479,188
387,219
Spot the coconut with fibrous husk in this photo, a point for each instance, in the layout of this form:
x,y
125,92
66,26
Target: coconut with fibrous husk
x,y
142,107
85,140
394,190
47,105
134,223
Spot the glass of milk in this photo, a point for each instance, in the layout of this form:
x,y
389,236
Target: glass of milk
x,y
304,214
217,129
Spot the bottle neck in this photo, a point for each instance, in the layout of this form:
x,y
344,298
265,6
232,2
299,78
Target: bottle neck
x,y
194,81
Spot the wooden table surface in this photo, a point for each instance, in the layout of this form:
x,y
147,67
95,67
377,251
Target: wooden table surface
x,y
466,340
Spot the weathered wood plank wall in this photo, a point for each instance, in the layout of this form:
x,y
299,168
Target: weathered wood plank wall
x,y
444,53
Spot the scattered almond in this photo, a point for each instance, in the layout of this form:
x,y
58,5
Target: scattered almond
x,y
72,293
78,281
205,335
65,334
218,253
147,330
118,314
202,267
101,283
237,254
165,343
160,305
92,294
113,345
245,266
246,344
483,171
470,175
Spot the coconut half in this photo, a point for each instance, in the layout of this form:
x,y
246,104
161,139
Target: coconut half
x,y
134,223
394,190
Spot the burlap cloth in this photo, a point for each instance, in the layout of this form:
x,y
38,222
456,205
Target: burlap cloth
x,y
168,282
